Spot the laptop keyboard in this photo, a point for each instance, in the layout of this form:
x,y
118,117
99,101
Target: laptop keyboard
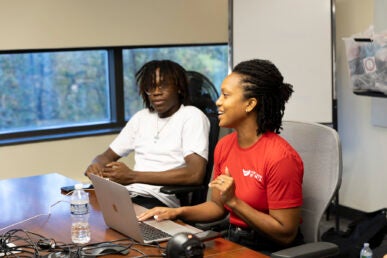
x,y
151,233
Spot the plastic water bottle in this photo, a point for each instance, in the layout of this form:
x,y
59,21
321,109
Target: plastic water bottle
x,y
366,252
79,203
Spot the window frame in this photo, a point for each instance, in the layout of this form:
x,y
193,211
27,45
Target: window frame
x,y
117,101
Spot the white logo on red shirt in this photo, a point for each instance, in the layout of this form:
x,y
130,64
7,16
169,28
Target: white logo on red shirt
x,y
251,173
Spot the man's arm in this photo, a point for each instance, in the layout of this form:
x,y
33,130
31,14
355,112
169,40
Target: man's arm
x,y
191,174
99,162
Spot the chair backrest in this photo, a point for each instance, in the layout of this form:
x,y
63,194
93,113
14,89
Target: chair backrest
x,y
202,92
320,149
204,95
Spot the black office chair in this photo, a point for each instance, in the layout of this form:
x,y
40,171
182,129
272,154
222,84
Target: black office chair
x,y
203,95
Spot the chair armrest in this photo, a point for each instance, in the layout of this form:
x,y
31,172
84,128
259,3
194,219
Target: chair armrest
x,y
179,189
312,250
220,225
182,192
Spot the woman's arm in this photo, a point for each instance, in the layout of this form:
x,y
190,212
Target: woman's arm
x,y
204,212
280,225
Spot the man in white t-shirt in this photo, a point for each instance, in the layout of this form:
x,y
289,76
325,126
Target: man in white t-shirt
x,y
169,139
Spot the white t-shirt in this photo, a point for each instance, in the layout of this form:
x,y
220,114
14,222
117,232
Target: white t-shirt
x,y
183,133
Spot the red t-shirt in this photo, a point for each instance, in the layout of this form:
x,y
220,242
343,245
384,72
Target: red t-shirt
x,y
267,175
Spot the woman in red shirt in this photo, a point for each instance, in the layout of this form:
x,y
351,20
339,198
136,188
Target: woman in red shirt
x,y
257,174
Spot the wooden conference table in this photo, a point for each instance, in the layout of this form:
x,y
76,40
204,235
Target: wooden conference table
x,y
28,200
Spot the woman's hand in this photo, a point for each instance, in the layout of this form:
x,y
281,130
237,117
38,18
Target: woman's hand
x,y
226,186
159,213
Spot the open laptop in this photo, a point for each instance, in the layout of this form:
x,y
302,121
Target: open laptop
x,y
119,213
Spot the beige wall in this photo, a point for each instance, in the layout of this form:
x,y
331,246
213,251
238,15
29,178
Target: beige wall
x,y
67,157
75,23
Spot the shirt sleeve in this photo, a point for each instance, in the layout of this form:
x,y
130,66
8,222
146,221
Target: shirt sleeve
x,y
284,185
123,144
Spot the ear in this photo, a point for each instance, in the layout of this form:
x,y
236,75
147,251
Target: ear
x,y
251,103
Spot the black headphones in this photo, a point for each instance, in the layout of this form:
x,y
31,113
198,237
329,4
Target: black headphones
x,y
185,245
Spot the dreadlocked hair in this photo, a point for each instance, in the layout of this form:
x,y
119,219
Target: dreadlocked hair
x,y
262,80
169,71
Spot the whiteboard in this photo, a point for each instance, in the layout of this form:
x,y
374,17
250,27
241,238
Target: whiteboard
x,y
296,35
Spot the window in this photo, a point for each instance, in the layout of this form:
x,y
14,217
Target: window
x,y
53,89
67,93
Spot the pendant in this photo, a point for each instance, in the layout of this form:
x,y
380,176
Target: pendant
x,y
156,138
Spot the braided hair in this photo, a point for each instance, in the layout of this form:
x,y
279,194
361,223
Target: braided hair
x,y
262,80
169,71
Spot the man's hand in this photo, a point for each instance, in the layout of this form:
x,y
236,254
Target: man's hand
x,y
119,172
95,169
98,164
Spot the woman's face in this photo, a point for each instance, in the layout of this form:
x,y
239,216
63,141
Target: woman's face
x,y
231,104
164,98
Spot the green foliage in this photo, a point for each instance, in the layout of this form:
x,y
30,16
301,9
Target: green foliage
x,y
43,90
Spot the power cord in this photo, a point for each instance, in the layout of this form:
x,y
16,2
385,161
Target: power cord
x,y
19,243
38,215
23,243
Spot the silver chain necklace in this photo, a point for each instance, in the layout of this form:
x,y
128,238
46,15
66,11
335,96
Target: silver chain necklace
x,y
158,131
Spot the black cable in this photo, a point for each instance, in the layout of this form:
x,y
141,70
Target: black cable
x,y
27,244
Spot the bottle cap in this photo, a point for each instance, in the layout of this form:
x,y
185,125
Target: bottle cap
x,y
78,186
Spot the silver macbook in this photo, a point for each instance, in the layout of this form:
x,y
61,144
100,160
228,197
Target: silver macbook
x,y
119,213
